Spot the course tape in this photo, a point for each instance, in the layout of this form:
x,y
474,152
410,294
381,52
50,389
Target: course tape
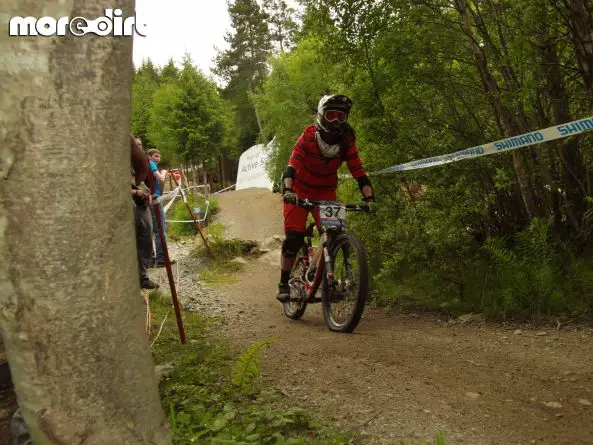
x,y
512,143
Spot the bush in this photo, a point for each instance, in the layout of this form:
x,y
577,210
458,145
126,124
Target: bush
x,y
529,276
430,254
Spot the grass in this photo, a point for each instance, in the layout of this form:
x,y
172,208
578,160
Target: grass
x,y
214,398
220,268
179,212
221,273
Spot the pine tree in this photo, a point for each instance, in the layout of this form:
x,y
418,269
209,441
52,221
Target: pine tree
x,y
169,72
243,65
146,82
282,23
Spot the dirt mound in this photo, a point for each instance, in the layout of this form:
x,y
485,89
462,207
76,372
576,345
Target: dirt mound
x,y
250,214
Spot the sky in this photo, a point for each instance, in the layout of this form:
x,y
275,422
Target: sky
x,y
175,27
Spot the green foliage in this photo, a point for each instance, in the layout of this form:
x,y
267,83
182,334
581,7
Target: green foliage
x,y
179,212
146,81
189,119
528,273
247,366
180,112
243,65
219,265
213,398
291,96
282,23
162,130
417,80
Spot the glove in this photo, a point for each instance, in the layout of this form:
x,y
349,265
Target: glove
x,y
290,196
371,203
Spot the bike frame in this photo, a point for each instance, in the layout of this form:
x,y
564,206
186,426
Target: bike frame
x,y
324,263
325,260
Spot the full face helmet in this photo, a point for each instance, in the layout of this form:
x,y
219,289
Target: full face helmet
x,y
332,113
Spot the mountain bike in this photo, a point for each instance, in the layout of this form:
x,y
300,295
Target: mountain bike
x,y
338,265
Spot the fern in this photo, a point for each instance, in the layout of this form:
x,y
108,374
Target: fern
x,y
527,274
496,247
247,366
533,244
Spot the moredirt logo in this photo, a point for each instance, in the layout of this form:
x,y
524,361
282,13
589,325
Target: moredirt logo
x,y
110,24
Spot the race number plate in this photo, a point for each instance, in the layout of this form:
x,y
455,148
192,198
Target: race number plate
x,y
332,214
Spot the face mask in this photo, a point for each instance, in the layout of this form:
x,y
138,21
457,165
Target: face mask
x,y
328,151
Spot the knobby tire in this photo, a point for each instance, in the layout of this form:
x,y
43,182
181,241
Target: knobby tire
x,y
362,288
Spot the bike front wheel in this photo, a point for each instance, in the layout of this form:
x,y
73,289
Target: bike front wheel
x,y
345,294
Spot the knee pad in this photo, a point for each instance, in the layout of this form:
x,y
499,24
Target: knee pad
x,y
292,243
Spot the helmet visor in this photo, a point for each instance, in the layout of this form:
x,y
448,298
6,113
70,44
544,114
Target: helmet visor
x,y
335,116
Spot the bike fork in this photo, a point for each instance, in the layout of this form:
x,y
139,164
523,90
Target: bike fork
x,y
329,269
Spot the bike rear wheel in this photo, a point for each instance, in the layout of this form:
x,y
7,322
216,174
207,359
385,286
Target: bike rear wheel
x,y
345,295
295,309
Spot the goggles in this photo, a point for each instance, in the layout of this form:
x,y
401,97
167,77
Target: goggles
x,y
335,116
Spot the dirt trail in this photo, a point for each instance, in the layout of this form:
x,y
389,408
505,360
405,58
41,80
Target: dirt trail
x,y
254,213
400,377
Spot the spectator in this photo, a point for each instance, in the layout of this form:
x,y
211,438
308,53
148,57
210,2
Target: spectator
x,y
142,202
154,156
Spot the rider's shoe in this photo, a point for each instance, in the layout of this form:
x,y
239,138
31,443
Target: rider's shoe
x,y
283,294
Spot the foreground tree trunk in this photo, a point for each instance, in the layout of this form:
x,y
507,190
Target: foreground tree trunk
x,y
71,310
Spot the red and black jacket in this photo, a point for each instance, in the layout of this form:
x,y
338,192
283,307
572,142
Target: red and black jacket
x,y
315,176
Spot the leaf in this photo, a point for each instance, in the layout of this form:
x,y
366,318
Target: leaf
x,y
247,366
219,423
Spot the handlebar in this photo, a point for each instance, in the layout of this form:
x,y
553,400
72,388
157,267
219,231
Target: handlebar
x,y
308,204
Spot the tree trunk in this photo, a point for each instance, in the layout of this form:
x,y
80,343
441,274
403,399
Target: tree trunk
x,y
197,174
221,170
259,124
502,112
573,172
71,313
581,25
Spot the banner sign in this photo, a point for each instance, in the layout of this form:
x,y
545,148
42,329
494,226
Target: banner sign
x,y
512,143
252,168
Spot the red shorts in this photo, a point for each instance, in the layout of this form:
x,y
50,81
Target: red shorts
x,y
295,218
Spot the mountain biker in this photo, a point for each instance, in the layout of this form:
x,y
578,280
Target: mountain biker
x,y
312,173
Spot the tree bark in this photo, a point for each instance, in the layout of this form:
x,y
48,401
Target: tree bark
x,y
222,177
581,25
251,93
70,305
502,112
573,172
